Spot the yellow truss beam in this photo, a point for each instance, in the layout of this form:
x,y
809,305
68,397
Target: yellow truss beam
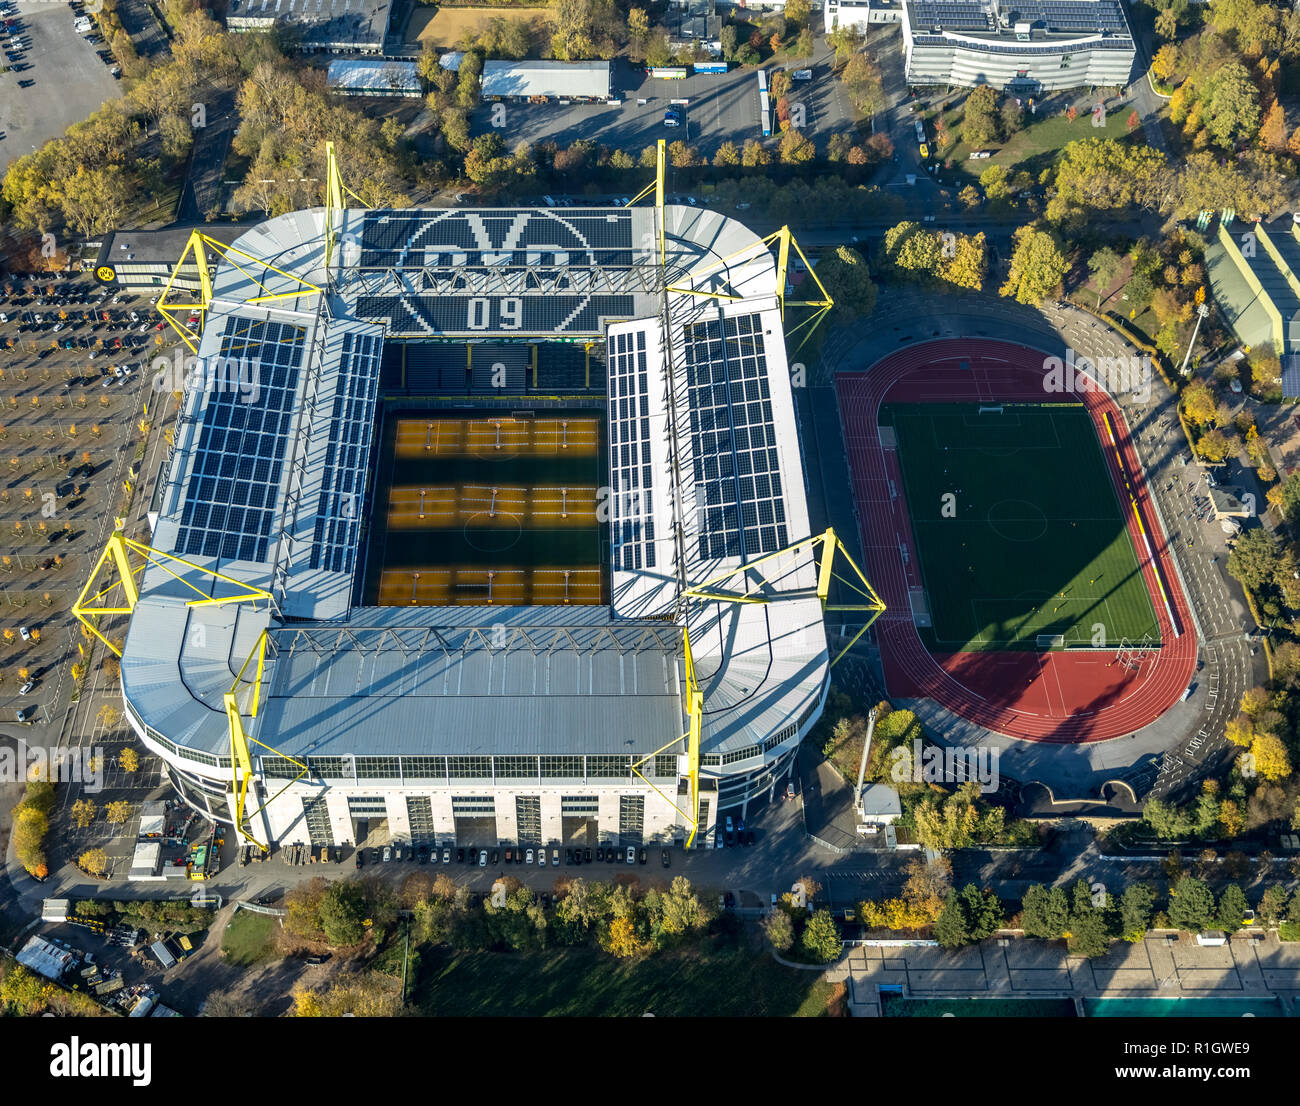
x,y
197,247
241,757
830,545
89,603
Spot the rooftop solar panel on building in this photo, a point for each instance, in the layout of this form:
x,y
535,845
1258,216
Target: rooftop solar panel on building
x,y
736,464
236,473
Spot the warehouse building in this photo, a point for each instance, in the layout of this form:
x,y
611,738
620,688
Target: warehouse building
x,y
549,80
317,26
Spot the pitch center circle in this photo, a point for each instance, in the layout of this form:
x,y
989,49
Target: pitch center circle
x,y
489,534
1017,520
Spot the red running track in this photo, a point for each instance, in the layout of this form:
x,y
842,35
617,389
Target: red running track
x,y
1067,696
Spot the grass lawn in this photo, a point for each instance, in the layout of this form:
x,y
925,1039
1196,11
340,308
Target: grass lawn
x,y
722,980
1035,146
1018,527
250,938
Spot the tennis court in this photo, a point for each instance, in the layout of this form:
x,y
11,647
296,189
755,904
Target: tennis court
x,y
1023,542
487,508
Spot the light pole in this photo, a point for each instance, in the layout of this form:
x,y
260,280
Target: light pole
x,y
1201,312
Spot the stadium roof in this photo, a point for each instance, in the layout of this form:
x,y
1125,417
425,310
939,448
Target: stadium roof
x,y
272,492
577,80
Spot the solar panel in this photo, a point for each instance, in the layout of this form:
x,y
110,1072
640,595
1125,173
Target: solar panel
x,y
340,509
741,507
632,528
235,479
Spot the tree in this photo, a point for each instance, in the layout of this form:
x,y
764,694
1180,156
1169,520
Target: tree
x,y
798,11
94,862
1166,27
821,942
795,149
622,939
109,716
754,154
968,915
979,121
1045,912
341,911
638,29
1232,909
1037,266
728,154
1270,757
1273,130
118,812
1191,905
1230,104
129,759
862,84
1213,445
1166,58
1104,264
1135,907
1272,904
83,812
1254,557
845,275
1199,403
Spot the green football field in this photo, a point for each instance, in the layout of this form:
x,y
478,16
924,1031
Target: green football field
x,y
1019,528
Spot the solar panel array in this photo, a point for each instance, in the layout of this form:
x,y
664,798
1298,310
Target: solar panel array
x,y
741,509
338,515
632,528
1055,15
233,485
456,246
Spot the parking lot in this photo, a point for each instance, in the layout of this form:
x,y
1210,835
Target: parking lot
x,y
720,108
64,79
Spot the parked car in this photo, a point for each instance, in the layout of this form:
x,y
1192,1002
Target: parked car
x,y
510,855
789,790
446,856
422,854
541,858
24,633
496,857
26,687
388,853
361,858
374,856
528,856
667,858
641,855
586,856
555,858
482,858
600,854
568,856
631,854
460,856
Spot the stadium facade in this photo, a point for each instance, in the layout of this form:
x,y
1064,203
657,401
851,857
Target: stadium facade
x,y
454,717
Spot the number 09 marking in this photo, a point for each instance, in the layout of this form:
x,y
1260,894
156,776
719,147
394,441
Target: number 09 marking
x,y
510,311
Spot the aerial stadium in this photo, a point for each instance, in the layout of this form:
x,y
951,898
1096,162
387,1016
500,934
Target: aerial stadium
x,y
507,542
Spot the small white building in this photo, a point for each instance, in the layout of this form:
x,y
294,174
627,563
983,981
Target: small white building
x,y
879,805
861,14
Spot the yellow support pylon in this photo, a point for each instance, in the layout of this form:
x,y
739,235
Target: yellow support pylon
x,y
115,551
830,545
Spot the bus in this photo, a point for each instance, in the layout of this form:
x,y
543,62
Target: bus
x,y
710,67
764,108
668,73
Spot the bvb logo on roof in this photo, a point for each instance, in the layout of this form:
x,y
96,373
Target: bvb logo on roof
x,y
105,274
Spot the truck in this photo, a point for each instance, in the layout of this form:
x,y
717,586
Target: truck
x,y
82,25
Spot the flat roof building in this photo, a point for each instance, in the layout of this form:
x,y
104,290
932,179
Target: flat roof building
x,y
373,77
1254,276
1028,47
317,26
554,80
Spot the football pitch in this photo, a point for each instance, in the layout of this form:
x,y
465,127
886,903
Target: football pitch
x,y
1023,543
